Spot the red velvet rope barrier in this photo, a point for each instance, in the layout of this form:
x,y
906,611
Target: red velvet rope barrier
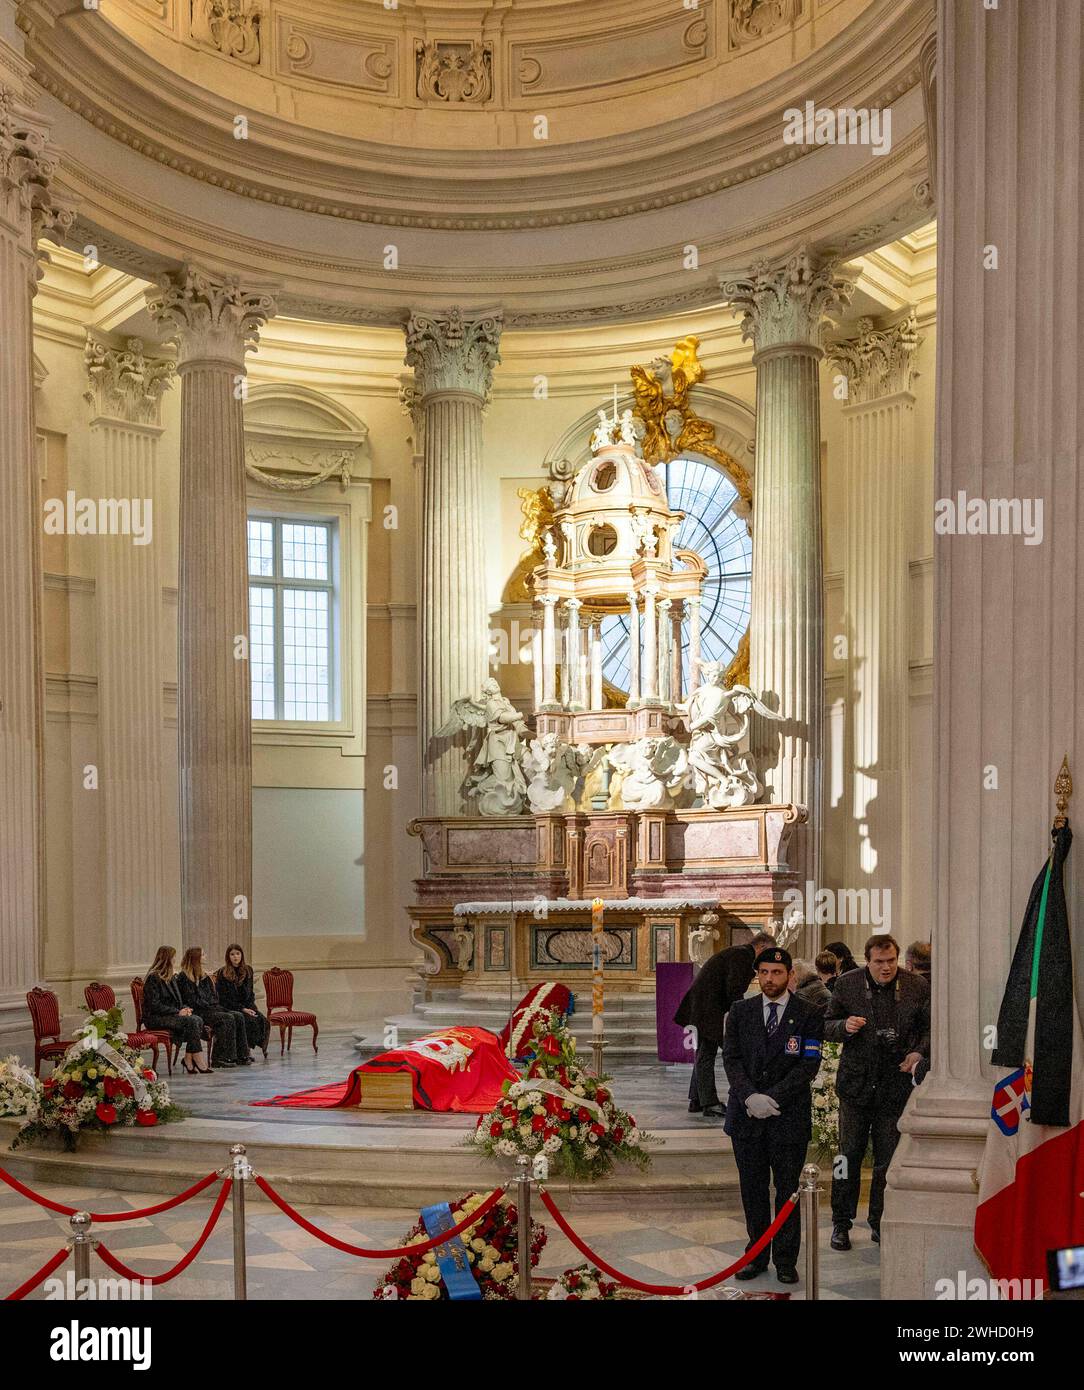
x,y
419,1249
630,1282
39,1278
50,1205
119,1267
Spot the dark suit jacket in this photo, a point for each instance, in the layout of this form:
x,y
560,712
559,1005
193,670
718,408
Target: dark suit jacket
x,y
860,1061
722,979
199,995
235,995
160,999
783,1066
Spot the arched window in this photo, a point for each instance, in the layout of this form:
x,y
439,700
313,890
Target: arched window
x,y
707,496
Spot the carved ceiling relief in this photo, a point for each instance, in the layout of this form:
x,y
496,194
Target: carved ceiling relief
x,y
231,27
454,73
756,19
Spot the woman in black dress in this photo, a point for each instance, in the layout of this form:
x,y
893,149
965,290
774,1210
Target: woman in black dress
x,y
236,990
199,993
164,1007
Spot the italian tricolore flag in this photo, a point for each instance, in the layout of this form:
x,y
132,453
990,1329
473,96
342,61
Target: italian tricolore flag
x,y
1032,1181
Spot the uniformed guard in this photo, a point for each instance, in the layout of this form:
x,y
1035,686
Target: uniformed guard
x,y
772,1053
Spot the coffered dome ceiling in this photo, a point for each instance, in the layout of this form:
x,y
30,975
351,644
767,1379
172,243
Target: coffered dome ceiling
x,y
563,160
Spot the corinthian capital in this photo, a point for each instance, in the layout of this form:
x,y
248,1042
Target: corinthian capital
x,y
210,317
787,303
125,384
877,362
27,169
451,353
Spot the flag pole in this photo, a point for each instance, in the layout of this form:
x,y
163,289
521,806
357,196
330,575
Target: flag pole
x,y
1063,790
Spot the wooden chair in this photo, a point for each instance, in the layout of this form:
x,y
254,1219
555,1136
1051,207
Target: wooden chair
x,y
45,1016
162,1036
99,996
279,987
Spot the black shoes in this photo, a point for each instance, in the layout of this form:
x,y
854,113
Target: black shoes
x,y
787,1276
875,1234
695,1107
840,1239
714,1112
751,1272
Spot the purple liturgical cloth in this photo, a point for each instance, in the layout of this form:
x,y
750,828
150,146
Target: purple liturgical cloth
x,y
671,982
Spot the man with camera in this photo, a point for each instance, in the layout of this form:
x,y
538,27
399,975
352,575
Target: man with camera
x,y
881,1015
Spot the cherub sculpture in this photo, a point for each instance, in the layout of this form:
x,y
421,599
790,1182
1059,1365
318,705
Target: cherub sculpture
x,y
701,936
497,733
724,774
554,768
653,768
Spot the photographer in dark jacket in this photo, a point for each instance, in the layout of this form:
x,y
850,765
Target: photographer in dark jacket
x,y
881,1015
722,980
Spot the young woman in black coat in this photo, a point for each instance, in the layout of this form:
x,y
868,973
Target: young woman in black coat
x,y
164,1008
237,991
199,993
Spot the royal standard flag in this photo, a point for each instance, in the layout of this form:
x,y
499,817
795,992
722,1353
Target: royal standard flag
x,y
1032,1180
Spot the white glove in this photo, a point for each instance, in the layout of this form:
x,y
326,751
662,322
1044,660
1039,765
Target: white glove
x,y
760,1107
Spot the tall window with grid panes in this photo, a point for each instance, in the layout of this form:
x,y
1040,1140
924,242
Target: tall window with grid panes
x,y
291,569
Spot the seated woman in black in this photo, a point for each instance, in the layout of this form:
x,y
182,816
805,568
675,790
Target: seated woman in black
x,y
198,991
164,1008
236,991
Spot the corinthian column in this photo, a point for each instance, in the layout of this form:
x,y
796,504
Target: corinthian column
x,y
214,320
878,460
453,359
125,425
27,212
784,305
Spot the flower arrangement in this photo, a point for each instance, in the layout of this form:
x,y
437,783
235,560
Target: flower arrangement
x,y
20,1090
99,1084
491,1248
826,1104
562,1111
582,1283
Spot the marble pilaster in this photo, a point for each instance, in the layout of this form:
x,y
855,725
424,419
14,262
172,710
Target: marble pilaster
x,y
634,650
214,321
453,357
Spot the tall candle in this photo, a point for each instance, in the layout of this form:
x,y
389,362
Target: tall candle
x,y
596,967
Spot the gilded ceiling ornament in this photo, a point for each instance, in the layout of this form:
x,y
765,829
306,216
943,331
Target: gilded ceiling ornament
x,y
877,362
737,673
211,317
124,383
229,27
787,303
455,72
753,19
537,507
450,352
671,425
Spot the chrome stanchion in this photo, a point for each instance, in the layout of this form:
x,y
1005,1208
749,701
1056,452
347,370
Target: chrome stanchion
x,y
523,1225
81,1244
809,1194
240,1171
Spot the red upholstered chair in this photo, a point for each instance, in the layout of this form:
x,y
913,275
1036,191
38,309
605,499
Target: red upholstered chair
x,y
162,1037
99,996
45,1016
279,987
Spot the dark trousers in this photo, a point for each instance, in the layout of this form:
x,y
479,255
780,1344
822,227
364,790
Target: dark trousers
x,y
185,1028
229,1030
256,1029
702,1090
763,1158
856,1124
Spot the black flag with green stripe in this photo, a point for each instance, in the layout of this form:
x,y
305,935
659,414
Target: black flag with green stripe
x,y
1040,987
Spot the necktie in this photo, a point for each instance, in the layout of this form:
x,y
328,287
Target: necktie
x,y
773,1018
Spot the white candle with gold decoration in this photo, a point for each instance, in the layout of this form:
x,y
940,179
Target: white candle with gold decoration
x,y
597,967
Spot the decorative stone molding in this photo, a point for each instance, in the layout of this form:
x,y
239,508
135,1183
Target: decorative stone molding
x,y
454,72
878,362
451,353
229,27
27,169
326,463
785,303
755,19
212,317
124,383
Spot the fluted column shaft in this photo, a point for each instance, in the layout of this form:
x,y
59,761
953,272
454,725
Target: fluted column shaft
x,y
549,652
214,321
649,693
453,360
26,213
125,393
634,650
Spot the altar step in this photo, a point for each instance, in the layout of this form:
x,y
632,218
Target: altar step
x,y
629,1023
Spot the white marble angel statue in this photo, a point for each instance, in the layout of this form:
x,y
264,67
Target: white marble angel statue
x,y
701,937
653,769
724,773
497,733
553,769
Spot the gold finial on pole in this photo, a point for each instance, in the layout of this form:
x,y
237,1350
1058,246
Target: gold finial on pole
x,y
1063,790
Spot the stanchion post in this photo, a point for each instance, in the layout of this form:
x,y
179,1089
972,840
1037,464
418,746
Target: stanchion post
x,y
523,1225
809,1203
80,1248
240,1172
